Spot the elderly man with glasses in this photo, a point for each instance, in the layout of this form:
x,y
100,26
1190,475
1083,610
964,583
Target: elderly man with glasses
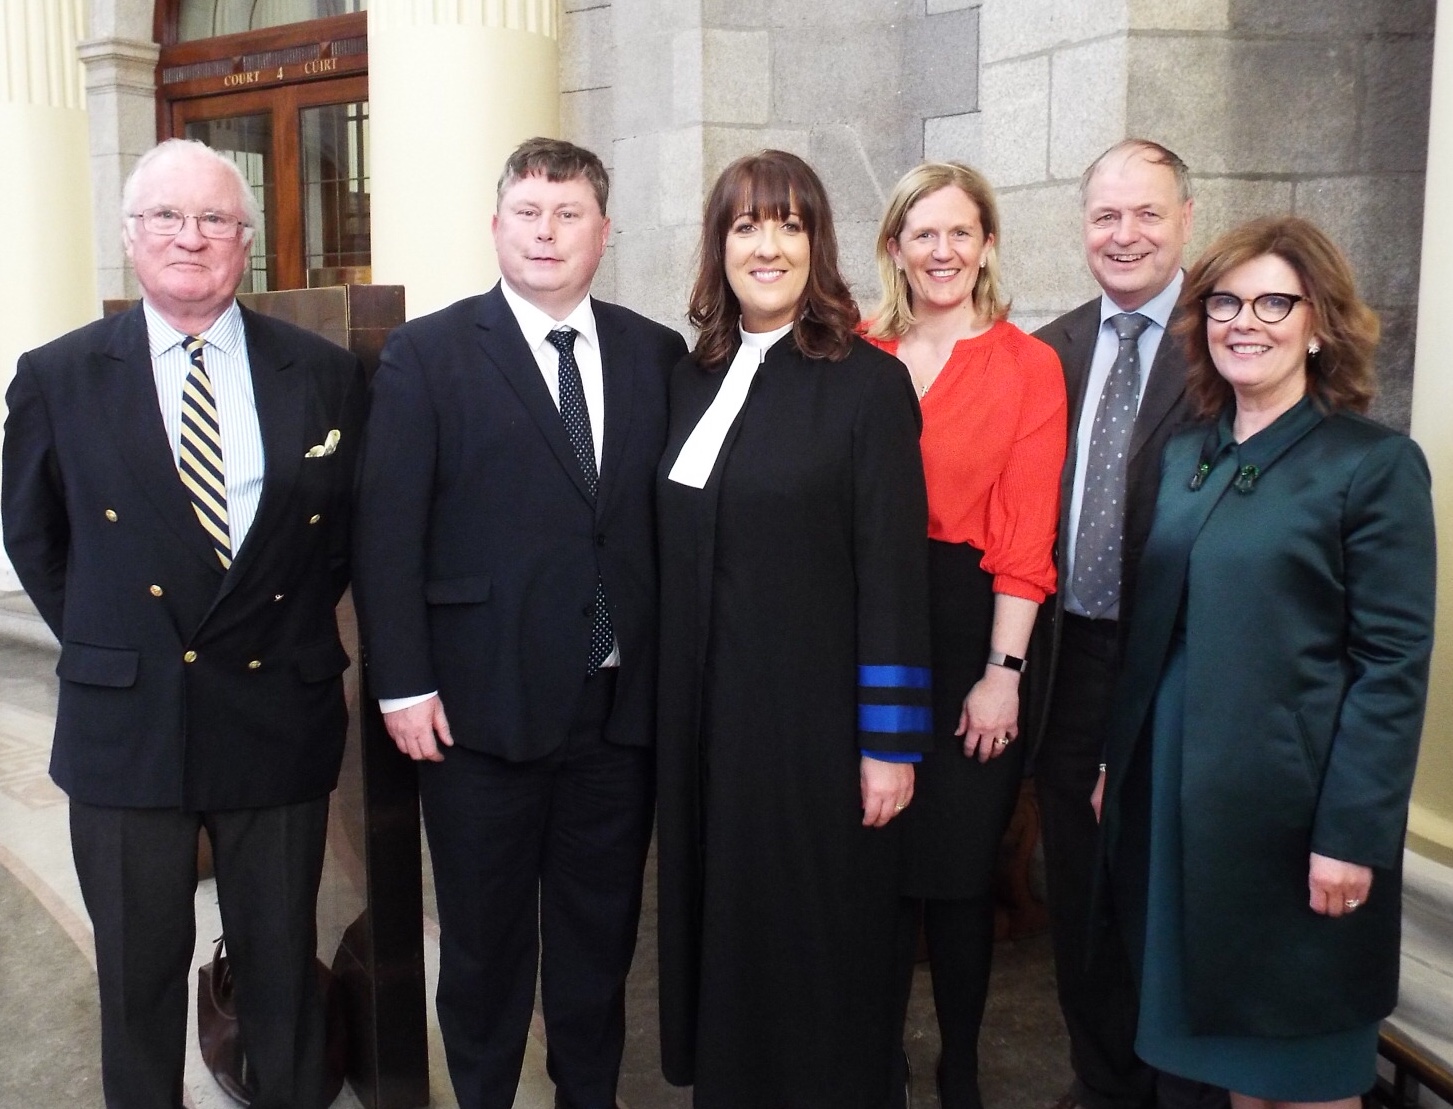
x,y
176,502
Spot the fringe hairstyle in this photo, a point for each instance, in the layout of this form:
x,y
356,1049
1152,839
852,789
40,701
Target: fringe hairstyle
x,y
771,184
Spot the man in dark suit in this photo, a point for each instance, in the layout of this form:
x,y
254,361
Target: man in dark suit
x,y
1125,379
176,503
507,592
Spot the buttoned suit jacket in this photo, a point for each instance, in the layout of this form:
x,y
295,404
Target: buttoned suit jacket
x,y
479,543
1164,410
182,685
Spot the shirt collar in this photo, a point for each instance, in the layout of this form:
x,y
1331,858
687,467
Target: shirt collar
x,y
535,324
1157,309
224,334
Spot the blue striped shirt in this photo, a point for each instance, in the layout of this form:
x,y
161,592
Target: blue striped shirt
x,y
225,357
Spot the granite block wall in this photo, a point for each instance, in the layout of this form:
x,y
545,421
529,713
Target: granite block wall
x,y
1277,105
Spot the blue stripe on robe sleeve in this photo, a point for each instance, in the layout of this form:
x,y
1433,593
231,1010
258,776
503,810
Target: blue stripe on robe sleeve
x,y
894,677
894,756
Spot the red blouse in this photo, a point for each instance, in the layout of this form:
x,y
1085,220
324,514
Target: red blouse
x,y
993,446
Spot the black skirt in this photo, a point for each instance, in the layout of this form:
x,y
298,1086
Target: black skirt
x,y
961,807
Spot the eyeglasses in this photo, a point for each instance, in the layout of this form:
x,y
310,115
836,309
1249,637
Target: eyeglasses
x,y
1269,307
169,222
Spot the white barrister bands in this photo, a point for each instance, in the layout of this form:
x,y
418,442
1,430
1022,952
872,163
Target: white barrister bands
x,y
699,453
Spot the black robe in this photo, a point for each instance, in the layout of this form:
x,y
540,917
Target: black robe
x,y
795,634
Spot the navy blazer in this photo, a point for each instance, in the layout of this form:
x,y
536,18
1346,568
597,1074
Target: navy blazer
x,y
478,542
182,685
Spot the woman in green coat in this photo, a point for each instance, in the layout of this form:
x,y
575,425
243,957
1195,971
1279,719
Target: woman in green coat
x,y
1261,757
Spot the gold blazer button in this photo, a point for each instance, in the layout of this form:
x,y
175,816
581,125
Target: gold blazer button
x,y
190,656
314,519
156,591
111,515
255,664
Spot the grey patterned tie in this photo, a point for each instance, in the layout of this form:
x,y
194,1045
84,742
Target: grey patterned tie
x,y
1101,531
577,426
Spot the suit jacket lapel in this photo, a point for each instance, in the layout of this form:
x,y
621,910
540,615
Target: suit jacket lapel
x,y
504,345
280,418
128,388
618,366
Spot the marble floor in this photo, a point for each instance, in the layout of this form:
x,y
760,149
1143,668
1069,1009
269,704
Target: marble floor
x,y
49,1027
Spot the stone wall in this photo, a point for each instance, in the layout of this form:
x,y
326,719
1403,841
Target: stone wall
x,y
1277,105
669,92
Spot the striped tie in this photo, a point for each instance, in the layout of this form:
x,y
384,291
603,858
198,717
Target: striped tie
x,y
200,457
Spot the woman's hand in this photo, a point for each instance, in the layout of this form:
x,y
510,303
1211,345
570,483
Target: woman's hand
x,y
887,789
1337,887
989,721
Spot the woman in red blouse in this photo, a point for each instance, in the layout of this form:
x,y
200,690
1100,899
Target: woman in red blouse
x,y
993,442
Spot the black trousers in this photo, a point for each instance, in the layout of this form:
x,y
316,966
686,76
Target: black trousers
x,y
1099,999
539,863
138,876
1098,992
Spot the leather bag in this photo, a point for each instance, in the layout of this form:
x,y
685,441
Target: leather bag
x,y
221,1040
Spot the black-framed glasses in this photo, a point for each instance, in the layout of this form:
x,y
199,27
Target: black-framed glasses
x,y
169,222
1268,307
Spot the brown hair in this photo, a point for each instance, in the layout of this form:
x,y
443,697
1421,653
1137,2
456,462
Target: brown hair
x,y
894,315
1341,375
554,160
771,184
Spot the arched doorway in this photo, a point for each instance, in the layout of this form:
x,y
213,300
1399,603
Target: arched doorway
x,y
284,92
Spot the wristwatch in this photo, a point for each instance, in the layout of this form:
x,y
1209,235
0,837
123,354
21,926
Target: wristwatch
x,y
1009,662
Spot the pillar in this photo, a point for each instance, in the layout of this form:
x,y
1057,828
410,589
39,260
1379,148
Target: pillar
x,y
47,284
121,101
453,88
1431,822
1426,994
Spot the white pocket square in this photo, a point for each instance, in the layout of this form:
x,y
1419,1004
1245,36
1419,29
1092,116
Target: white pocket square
x,y
326,447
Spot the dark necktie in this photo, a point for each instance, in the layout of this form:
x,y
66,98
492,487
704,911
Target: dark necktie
x,y
199,458
1098,556
576,418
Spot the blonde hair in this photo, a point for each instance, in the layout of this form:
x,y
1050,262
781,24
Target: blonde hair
x,y
894,314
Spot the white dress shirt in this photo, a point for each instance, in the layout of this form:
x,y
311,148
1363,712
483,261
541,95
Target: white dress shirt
x,y
1107,345
225,357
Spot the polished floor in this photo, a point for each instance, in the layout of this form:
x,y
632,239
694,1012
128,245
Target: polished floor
x,y
49,1031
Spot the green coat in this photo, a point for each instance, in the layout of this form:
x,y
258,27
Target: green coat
x,y
1307,602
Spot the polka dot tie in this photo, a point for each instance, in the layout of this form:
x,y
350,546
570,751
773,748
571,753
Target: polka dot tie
x,y
576,418
1098,557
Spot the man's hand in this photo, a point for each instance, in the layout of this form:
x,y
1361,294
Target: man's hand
x,y
887,789
418,730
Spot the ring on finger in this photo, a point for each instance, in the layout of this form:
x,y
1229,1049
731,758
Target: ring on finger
x,y
900,806
1352,902
1001,741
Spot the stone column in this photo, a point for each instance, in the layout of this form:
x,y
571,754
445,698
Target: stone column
x,y
452,90
1426,996
47,285
121,100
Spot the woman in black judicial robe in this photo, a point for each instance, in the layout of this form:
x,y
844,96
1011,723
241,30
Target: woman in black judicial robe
x,y
795,667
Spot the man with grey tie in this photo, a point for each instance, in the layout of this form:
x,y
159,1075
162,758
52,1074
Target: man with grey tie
x,y
1125,378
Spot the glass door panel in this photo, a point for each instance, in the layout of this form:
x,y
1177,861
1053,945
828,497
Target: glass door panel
x,y
247,140
333,165
304,149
